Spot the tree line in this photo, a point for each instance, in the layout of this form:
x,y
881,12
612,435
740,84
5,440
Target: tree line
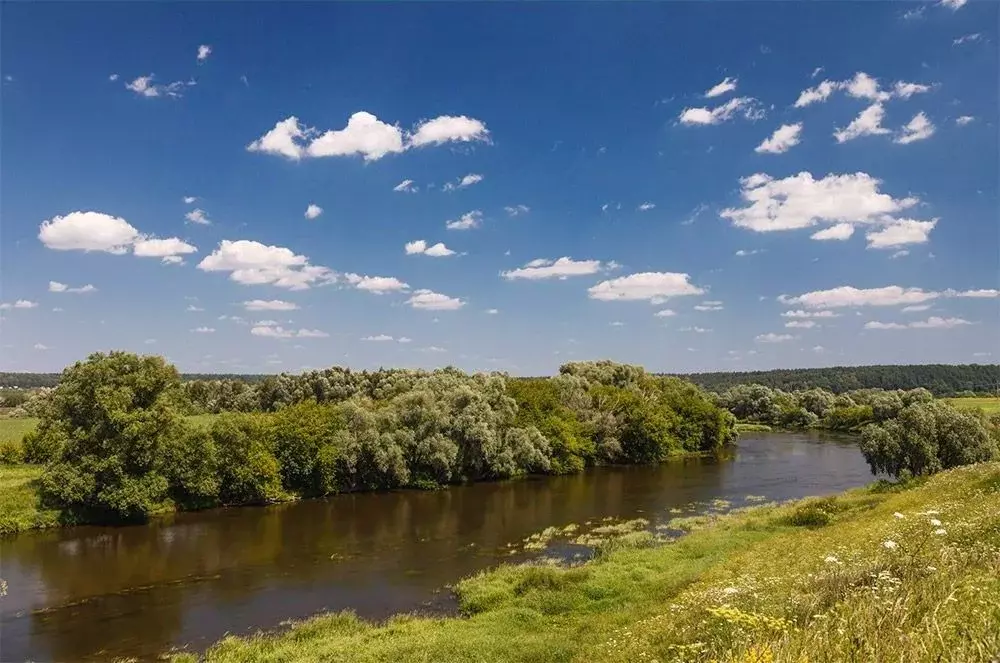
x,y
117,446
939,379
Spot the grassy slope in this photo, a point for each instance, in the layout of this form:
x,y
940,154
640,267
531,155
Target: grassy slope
x,y
744,587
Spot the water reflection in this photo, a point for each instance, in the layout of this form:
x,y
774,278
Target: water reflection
x,y
97,593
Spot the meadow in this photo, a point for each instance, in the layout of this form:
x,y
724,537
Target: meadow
x,y
988,405
888,573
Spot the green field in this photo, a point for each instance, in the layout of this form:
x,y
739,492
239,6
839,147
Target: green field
x,y
14,429
19,508
877,574
988,405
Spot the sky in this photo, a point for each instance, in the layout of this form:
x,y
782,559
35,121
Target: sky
x,y
265,187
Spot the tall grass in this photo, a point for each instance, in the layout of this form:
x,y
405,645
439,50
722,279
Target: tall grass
x,y
19,507
884,575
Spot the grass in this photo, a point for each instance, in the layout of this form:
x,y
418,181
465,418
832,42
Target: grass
x,y
878,574
19,508
750,427
988,405
12,430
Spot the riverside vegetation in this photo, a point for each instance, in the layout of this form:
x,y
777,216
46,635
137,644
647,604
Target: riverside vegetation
x,y
116,446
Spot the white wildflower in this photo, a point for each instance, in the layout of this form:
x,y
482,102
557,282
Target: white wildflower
x,y
730,590
932,569
890,545
830,559
935,522
940,531
898,515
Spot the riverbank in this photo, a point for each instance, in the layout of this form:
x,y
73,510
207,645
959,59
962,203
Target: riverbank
x,y
873,574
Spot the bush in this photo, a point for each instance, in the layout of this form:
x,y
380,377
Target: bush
x,y
11,452
191,466
248,471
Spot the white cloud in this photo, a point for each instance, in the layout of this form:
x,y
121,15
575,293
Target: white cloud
x,y
88,231
56,286
311,333
800,201
954,5
967,39
863,86
919,128
665,313
899,233
617,323
420,246
433,301
810,314
709,306
846,295
916,309
378,339
203,330
169,249
172,260
696,330
313,211
817,348
653,286
404,339
466,181
800,324
198,216
742,253
269,305
977,294
20,303
253,263
492,311
269,329
150,341
543,268
645,207
771,337
113,77
433,348
783,139
447,128
364,135
915,13
816,94
840,231
748,107
905,90
964,120
726,85
933,322
867,123
190,199
378,285
191,308
203,52
40,346
467,221
406,186
283,140
516,210
145,87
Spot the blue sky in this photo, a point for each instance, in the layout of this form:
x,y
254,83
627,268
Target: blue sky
x,y
689,186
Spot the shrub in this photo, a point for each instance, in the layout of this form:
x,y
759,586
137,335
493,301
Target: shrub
x,y
11,452
248,471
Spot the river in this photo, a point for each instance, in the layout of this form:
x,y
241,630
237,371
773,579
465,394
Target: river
x,y
95,593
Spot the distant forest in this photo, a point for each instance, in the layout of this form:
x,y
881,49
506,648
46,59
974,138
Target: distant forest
x,y
940,379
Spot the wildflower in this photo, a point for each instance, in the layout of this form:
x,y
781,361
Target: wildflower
x,y
890,545
940,531
830,559
935,522
932,569
730,590
898,515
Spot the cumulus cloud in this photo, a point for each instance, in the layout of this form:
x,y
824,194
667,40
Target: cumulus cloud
x,y
742,253
406,186
269,305
954,5
665,313
448,129
867,123
378,285
88,231
748,107
562,268
364,135
899,233
800,324
270,329
467,221
904,90
964,120
283,140
655,287
420,247
816,94
915,309
203,52
645,207
840,231
40,346
252,263
726,85
466,181
198,216
933,322
771,337
801,201
516,210
191,308
313,211
169,249
849,296
56,286
203,330
190,199
810,314
145,87
709,306
967,39
919,128
696,330
783,139
381,338
861,86
433,301
20,303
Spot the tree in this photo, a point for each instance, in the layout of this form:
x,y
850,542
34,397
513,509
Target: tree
x,y
107,424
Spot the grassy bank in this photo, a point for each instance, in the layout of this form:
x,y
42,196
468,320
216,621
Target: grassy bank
x,y
873,575
19,508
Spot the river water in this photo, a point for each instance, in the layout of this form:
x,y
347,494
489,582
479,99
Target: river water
x,y
95,593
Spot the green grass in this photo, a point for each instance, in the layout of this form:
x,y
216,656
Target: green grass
x,y
750,586
988,405
12,430
750,427
19,508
